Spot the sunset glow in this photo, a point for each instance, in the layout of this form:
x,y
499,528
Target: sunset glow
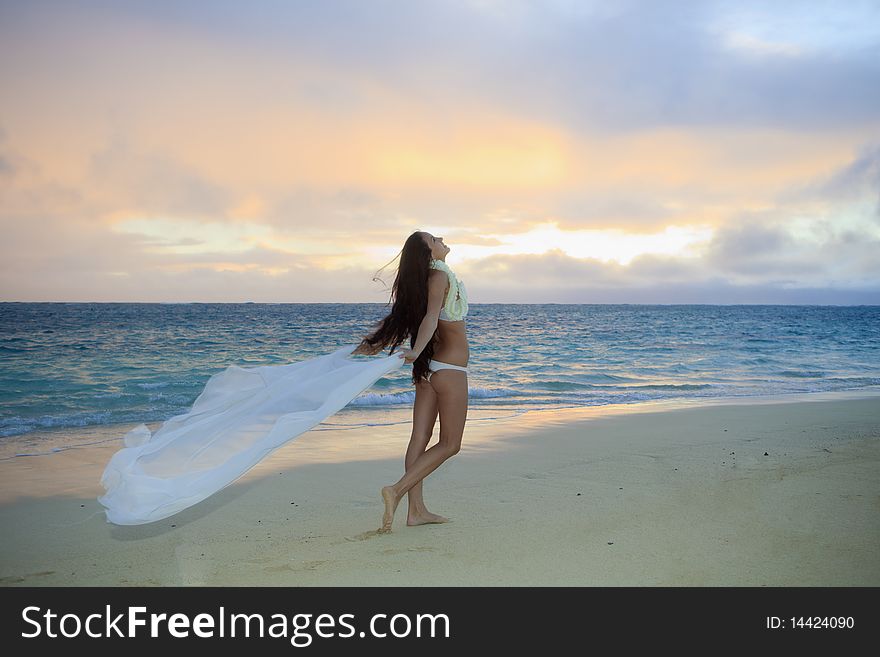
x,y
197,152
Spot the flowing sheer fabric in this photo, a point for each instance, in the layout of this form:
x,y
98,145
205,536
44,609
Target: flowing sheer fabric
x,y
241,416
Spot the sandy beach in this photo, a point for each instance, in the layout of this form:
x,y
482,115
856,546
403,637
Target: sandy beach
x,y
766,492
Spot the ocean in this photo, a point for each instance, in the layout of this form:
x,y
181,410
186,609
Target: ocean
x,y
69,368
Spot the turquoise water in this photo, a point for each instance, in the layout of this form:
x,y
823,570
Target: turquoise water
x,y
75,365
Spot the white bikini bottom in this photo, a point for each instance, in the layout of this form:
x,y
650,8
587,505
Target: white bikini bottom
x,y
435,365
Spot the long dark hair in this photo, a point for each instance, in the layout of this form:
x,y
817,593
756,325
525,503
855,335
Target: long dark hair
x,y
409,296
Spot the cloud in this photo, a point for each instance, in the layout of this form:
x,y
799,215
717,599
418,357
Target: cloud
x,y
620,67
774,250
210,150
6,166
154,183
735,243
860,179
556,278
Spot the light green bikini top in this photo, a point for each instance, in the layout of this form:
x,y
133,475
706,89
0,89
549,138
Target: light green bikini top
x,y
456,307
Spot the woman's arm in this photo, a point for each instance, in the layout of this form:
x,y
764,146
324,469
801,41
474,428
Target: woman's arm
x,y
437,284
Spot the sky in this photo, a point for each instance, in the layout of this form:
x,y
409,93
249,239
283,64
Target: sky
x,y
567,151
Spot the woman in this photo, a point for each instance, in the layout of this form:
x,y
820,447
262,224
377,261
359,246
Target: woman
x,y
430,306
246,413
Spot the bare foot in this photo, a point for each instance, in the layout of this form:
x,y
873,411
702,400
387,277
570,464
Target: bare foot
x,y
424,518
391,501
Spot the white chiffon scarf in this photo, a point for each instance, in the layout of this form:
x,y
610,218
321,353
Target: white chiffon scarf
x,y
242,416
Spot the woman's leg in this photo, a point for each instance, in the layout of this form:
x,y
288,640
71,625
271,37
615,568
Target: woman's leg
x,y
425,411
451,387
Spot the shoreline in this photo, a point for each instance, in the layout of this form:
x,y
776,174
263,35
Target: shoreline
x,y
644,496
94,435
